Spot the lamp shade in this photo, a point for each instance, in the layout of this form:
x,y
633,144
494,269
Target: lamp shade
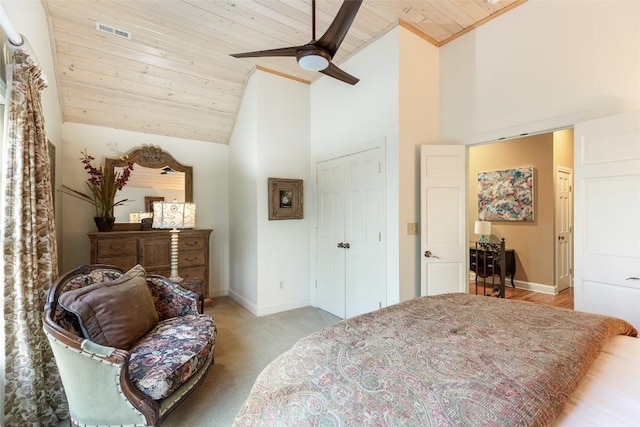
x,y
174,215
483,228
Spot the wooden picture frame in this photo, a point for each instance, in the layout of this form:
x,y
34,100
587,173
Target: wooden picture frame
x,y
148,202
285,198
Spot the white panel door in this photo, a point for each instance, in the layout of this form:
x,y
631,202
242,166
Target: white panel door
x,y
364,209
607,219
443,218
351,252
564,228
330,285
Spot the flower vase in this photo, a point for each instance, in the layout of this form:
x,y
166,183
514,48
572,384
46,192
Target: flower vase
x,y
104,223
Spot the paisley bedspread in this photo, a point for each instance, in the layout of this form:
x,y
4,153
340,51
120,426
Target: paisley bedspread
x,y
453,359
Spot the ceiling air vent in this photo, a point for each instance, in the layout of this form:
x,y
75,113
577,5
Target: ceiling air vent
x,y
112,30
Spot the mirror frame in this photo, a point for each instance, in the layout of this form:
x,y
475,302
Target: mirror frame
x,y
149,157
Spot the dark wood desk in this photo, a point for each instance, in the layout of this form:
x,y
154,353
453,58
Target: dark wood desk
x,y
484,261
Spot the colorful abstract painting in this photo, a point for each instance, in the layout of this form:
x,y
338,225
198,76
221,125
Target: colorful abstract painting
x,y
506,195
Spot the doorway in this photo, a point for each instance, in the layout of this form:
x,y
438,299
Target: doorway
x,y
534,242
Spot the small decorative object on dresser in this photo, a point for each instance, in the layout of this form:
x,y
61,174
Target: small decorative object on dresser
x,y
151,249
102,190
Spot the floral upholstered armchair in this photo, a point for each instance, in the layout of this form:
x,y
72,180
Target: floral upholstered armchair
x,y
129,347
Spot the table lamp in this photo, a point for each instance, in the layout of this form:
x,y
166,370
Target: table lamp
x,y
174,215
484,229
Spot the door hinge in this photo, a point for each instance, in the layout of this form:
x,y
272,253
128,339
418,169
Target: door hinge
x,y
379,304
379,167
379,237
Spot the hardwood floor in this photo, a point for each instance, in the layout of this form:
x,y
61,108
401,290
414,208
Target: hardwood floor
x,y
563,299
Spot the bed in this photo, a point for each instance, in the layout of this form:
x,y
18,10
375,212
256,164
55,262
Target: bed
x,y
454,359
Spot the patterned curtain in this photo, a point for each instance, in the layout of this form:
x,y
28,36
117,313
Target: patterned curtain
x,y
33,391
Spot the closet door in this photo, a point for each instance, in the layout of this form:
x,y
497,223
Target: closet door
x,y
330,285
351,265
364,219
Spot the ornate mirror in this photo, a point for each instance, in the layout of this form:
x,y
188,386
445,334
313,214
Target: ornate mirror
x,y
156,176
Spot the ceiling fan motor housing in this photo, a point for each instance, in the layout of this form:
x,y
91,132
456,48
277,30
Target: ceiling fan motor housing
x,y
313,59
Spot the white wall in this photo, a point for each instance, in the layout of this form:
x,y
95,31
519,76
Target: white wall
x,y
544,63
283,152
419,120
270,139
345,117
243,216
396,101
210,189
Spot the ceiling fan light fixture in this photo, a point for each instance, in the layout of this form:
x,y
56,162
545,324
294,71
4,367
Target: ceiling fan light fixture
x,y
313,60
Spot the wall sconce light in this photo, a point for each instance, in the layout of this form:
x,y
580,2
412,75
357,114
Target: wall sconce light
x,y
174,215
484,229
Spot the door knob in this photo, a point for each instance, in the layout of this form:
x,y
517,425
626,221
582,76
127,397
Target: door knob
x,y
560,237
428,254
341,245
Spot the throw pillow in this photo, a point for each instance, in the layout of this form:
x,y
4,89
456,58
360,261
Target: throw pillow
x,y
114,313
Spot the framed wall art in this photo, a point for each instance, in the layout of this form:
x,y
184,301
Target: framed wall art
x,y
506,195
285,198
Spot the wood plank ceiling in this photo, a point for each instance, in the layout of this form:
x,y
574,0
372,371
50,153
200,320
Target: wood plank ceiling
x,y
174,76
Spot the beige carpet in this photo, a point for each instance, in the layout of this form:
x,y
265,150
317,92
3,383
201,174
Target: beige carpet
x,y
246,344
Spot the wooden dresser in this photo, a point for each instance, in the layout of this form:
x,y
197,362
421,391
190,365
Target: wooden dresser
x,y
152,250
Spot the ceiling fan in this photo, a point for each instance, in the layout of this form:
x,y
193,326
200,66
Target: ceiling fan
x,y
317,54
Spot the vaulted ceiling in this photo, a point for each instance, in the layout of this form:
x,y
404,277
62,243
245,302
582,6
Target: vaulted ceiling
x,y
174,76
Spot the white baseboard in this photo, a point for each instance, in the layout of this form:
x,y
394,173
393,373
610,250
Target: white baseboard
x,y
521,284
218,293
534,287
263,311
243,302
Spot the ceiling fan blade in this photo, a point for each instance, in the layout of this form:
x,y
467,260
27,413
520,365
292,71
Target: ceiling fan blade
x,y
283,51
333,37
337,73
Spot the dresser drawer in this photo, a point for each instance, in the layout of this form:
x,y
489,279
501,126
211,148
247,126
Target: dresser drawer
x,y
122,262
164,272
186,273
191,259
190,243
193,273
117,247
